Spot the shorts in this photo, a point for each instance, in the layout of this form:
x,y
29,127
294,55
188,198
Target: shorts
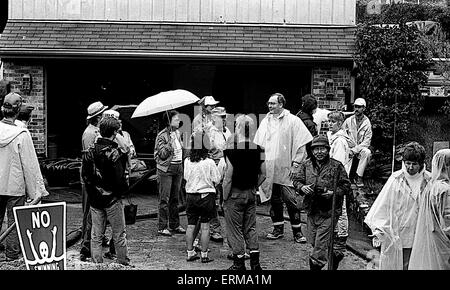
x,y
200,208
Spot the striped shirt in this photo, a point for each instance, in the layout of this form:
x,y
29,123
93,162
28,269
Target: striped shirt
x,y
177,150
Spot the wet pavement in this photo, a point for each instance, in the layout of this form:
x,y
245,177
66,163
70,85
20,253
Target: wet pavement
x,y
149,251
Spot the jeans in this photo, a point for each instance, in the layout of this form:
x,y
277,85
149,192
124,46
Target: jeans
x,y
214,223
287,194
169,184
116,218
87,222
12,240
240,217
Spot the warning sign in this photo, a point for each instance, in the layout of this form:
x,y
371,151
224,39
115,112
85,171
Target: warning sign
x,y
42,235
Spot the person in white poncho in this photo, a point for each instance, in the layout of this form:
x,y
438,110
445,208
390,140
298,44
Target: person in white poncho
x,y
431,249
283,137
393,216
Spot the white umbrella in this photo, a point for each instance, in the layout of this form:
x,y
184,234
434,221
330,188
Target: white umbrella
x,y
164,101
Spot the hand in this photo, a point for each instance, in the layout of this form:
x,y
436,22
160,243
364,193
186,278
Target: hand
x,y
376,238
376,242
327,194
307,189
351,154
293,170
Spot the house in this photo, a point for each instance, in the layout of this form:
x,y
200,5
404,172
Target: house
x,y
63,55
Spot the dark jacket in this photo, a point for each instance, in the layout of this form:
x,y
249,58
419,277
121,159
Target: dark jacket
x,y
103,172
309,123
323,180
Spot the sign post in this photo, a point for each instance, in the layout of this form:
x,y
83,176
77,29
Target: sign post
x,y
42,235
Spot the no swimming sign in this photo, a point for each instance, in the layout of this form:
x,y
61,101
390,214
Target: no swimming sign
x,y
42,235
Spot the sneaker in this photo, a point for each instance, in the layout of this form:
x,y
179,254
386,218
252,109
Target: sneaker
x,y
84,257
206,259
299,238
179,230
164,232
127,264
193,258
216,237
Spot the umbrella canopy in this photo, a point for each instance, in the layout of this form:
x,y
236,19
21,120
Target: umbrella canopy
x,y
164,101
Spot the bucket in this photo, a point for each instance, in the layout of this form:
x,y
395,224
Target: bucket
x,y
130,211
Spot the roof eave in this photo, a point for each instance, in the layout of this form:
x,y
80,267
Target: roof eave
x,y
154,54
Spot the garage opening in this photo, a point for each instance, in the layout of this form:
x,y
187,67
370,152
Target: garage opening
x,y
240,87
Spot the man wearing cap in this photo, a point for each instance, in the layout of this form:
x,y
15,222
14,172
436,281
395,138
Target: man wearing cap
x,y
315,180
90,134
283,136
359,129
20,175
203,120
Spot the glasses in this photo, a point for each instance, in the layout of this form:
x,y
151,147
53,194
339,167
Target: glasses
x,y
271,103
357,106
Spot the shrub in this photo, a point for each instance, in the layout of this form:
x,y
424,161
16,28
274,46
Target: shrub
x,y
391,68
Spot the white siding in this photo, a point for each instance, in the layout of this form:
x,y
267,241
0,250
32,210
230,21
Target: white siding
x,y
210,11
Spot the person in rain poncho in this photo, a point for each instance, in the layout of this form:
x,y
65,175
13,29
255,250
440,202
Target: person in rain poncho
x,y
393,216
283,136
431,250
20,175
340,151
359,129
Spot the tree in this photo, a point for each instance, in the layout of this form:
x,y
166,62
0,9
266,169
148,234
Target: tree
x,y
391,68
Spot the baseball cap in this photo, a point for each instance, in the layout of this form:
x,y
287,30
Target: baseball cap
x,y
111,113
320,140
209,100
12,101
360,102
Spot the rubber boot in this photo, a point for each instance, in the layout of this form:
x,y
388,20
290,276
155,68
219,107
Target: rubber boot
x,y
277,233
254,261
238,263
337,258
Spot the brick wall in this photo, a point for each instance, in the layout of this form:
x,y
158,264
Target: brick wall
x,y
13,72
330,85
